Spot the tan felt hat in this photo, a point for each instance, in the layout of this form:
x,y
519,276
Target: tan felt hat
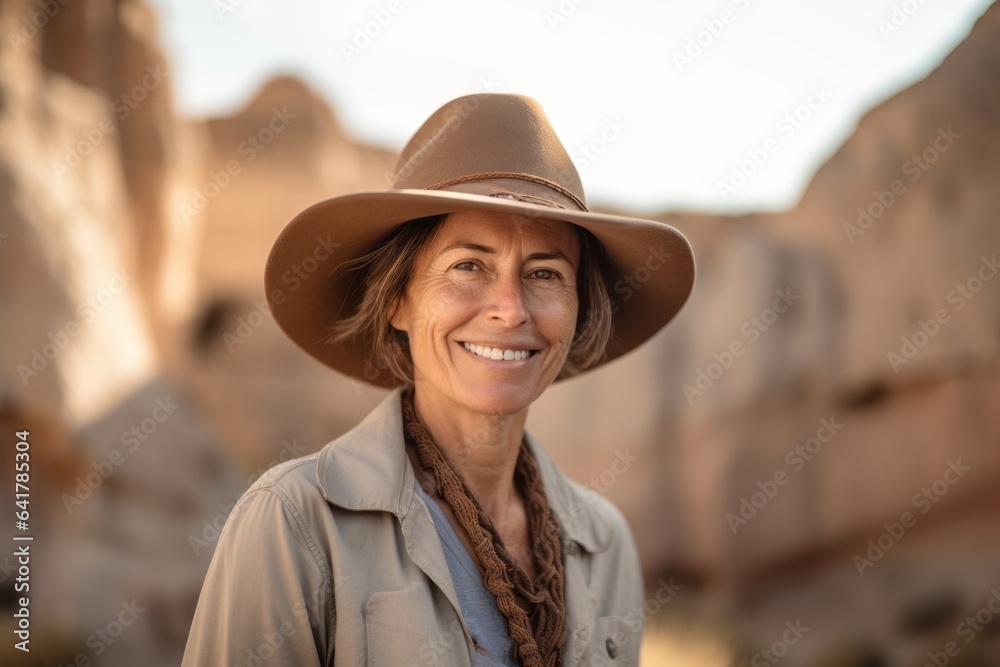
x,y
486,152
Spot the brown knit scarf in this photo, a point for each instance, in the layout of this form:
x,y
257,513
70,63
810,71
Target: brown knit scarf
x,y
535,611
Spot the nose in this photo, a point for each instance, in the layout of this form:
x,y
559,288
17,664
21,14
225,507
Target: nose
x,y
507,304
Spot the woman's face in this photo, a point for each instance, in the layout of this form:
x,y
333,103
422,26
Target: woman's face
x,y
490,280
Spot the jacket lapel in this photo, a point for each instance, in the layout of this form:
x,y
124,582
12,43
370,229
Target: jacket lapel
x,y
580,530
367,469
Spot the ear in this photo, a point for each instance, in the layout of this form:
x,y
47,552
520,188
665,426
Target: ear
x,y
400,318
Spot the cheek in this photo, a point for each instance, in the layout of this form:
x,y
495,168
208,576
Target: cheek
x,y
442,306
556,314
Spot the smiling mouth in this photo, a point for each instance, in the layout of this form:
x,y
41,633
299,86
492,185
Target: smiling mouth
x,y
498,354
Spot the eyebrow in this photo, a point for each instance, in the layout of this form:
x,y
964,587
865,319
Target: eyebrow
x,y
492,251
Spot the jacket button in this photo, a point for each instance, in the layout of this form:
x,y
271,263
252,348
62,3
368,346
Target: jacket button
x,y
612,647
571,548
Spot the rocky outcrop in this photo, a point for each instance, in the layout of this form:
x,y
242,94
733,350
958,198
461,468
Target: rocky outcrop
x,y
69,270
887,272
110,47
83,249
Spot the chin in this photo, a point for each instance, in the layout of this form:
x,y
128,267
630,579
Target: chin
x,y
499,400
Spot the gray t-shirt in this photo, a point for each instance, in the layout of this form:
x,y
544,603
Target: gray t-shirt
x,y
478,605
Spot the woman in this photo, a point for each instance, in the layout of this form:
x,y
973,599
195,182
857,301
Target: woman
x,y
437,531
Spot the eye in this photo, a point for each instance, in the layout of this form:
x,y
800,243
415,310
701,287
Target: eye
x,y
467,265
546,274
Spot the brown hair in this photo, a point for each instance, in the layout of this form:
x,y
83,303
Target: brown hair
x,y
384,274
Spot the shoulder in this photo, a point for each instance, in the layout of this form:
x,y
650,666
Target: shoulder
x,y
292,481
279,496
269,550
284,501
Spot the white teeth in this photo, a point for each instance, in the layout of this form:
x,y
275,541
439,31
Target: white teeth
x,y
497,353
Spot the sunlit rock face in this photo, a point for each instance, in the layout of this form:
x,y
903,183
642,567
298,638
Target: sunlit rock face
x,y
78,336
111,48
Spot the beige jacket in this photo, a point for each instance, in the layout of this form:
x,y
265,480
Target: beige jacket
x,y
332,559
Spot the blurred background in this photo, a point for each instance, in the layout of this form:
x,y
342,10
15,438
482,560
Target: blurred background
x,y
807,455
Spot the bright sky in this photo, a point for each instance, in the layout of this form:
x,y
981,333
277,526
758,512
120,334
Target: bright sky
x,y
661,104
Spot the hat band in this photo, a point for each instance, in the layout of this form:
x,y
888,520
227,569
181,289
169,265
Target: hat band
x,y
531,178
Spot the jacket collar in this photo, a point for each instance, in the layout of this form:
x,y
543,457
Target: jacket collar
x,y
367,469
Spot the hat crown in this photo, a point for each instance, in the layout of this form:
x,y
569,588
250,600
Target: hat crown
x,y
491,143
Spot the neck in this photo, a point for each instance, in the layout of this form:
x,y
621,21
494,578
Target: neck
x,y
483,448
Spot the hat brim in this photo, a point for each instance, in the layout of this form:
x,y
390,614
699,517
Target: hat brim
x,y
648,265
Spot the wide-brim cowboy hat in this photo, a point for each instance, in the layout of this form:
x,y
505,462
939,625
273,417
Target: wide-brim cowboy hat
x,y
483,152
